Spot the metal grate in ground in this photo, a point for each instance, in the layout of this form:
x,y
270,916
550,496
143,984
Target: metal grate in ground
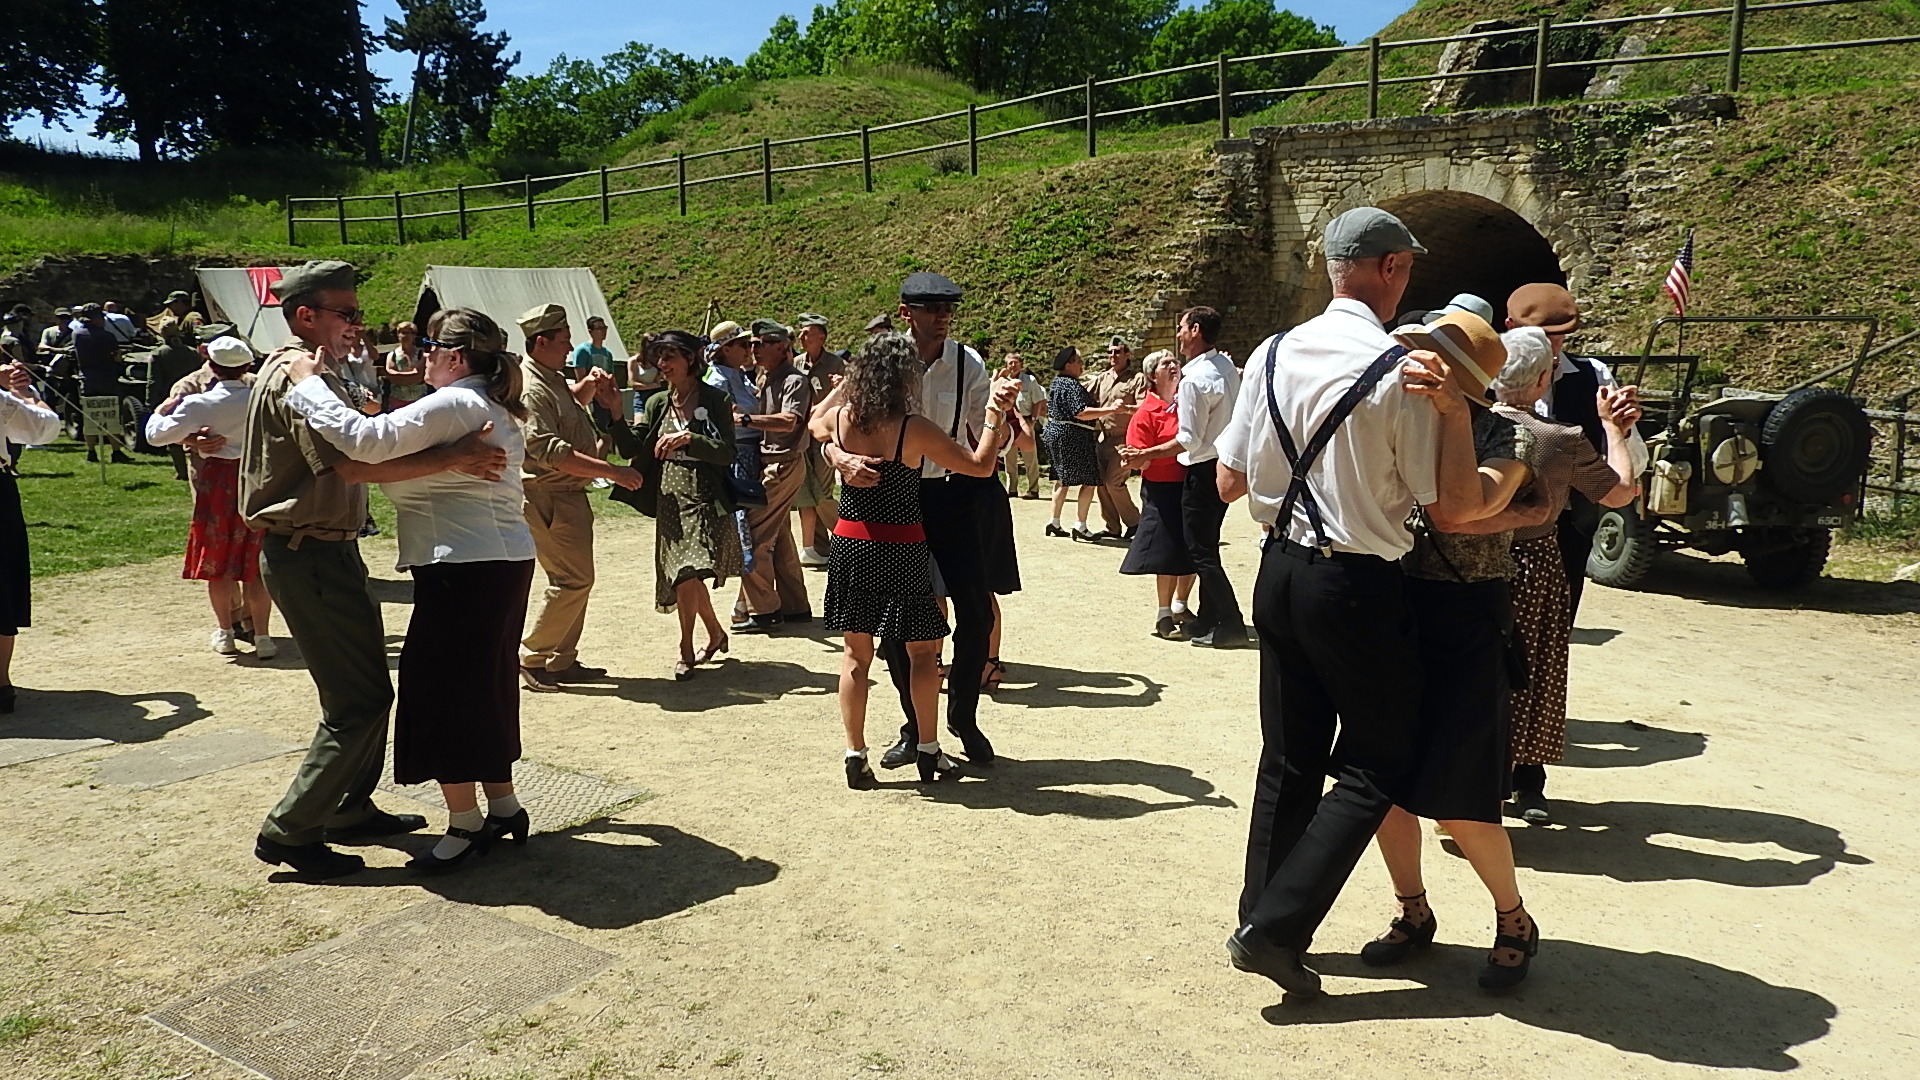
x,y
555,798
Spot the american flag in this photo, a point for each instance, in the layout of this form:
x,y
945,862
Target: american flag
x,y
1680,278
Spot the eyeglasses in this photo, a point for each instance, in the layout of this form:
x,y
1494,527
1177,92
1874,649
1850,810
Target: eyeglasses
x,y
432,344
939,307
354,316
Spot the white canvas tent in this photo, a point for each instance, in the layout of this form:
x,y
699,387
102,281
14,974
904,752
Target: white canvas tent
x,y
230,296
504,294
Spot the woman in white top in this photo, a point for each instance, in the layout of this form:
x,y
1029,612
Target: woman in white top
x,y
23,420
405,381
466,542
221,550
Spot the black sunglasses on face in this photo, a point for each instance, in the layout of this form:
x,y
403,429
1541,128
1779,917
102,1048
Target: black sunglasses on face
x,y
936,307
354,316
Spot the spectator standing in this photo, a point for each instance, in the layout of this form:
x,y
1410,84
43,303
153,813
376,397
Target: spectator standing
x,y
776,591
593,354
1209,386
404,371
56,340
13,336
97,359
24,420
563,454
1159,546
818,511
1030,409
730,368
221,550
1120,388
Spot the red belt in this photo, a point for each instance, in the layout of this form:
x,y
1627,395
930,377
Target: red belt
x,y
876,530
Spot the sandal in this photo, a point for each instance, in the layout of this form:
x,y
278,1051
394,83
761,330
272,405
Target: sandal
x,y
996,673
713,649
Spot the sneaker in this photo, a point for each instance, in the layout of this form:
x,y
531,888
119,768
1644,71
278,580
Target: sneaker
x,y
812,557
600,483
222,642
264,648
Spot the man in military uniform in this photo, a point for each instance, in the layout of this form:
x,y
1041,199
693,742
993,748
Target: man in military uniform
x,y
776,592
310,500
177,320
564,455
1126,386
818,510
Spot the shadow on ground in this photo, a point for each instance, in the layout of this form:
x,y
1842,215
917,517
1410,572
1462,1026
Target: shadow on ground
x,y
1646,841
1626,744
123,718
1049,786
602,875
1036,686
1728,584
1674,1008
714,686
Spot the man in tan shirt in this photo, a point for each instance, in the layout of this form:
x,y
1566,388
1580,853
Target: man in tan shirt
x,y
310,500
775,589
1121,384
564,455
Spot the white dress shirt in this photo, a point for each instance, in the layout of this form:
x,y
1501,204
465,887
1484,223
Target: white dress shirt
x,y
25,421
962,414
120,326
1209,385
1382,462
222,407
1636,446
446,516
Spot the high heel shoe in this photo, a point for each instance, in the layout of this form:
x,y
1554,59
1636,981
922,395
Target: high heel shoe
x,y
713,649
860,774
1502,976
683,670
1382,953
996,671
1055,530
937,767
428,863
518,827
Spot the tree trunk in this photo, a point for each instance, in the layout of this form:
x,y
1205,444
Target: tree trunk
x,y
369,121
413,106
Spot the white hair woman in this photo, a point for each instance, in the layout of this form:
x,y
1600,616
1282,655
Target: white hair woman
x,y
1563,461
1159,545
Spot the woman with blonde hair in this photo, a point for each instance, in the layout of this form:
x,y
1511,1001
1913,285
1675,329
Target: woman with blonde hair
x,y
466,542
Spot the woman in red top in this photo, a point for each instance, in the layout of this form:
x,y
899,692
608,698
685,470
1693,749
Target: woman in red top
x,y
1159,546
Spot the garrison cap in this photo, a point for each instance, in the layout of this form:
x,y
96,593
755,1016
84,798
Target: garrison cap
x,y
543,319
180,294
808,318
310,277
769,330
879,323
1367,232
927,287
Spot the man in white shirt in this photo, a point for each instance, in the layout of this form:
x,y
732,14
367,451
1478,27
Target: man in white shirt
x,y
118,324
1335,640
1209,384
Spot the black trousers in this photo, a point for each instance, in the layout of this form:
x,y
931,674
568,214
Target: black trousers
x,y
1339,696
1201,512
950,509
1578,522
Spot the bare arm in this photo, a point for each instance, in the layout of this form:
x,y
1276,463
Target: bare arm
x,y
1231,482
1502,477
1618,412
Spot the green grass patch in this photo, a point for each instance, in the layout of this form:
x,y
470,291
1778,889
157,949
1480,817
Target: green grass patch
x,y
76,522
19,1026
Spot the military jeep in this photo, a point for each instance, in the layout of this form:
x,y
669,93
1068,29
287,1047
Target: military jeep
x,y
1769,475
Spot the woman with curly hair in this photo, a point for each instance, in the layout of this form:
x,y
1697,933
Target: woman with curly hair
x,y
880,578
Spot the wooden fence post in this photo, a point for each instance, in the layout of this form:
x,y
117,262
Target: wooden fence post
x,y
1736,39
1226,100
529,188
1373,78
460,205
866,156
606,210
680,160
973,141
1540,59
290,239
399,221
1091,116
766,170
340,211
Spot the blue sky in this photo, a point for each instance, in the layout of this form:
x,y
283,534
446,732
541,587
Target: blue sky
x,y
543,29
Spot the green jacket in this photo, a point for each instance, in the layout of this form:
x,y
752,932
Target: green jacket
x,y
712,445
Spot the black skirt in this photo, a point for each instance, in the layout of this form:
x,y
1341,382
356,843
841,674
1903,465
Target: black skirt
x,y
457,716
16,568
994,515
1160,542
1461,772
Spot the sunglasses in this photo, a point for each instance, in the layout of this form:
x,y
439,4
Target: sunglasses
x,y
432,344
936,308
354,316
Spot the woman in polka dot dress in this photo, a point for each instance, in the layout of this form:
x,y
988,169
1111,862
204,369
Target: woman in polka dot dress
x,y
880,580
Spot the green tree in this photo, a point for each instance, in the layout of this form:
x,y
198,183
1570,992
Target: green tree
x,y
458,70
1231,28
829,37
46,56
576,108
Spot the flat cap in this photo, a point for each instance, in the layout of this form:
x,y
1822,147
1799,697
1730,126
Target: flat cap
x,y
540,320
181,294
1545,305
878,323
312,277
769,330
1467,302
62,313
927,287
808,318
1367,232
229,352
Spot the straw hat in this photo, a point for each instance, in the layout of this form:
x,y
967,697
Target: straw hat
x,y
1471,348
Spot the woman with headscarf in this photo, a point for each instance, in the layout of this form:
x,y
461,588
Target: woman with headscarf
x,y
1159,545
1072,441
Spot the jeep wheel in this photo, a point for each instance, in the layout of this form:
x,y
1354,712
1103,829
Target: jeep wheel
x,y
1623,547
1814,446
1781,569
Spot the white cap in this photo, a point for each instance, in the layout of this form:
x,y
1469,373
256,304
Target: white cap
x,y
229,352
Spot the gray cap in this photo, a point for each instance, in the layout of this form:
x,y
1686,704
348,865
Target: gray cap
x,y
1367,232
808,318
926,287
769,330
1466,302
314,276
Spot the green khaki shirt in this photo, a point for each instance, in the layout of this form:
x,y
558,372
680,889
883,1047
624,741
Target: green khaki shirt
x,y
556,426
288,484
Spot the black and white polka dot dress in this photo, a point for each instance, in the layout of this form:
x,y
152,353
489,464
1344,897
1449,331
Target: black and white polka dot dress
x,y
880,583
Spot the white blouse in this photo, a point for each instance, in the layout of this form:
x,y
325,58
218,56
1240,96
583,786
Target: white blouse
x,y
222,407
446,517
24,421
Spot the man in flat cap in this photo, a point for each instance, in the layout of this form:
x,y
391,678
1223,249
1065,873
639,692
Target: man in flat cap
x,y
564,455
310,500
776,587
818,511
879,324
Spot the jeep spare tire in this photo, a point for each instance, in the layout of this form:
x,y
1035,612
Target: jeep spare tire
x,y
1814,446
1623,547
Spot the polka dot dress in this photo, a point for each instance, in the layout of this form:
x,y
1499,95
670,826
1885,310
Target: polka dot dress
x,y
879,587
1541,612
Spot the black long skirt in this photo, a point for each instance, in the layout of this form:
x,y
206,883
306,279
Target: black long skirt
x,y
1462,772
457,717
1160,542
16,569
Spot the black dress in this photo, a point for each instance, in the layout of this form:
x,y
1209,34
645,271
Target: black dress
x,y
880,580
1071,443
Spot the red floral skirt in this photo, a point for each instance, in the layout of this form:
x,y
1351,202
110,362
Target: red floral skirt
x,y
220,547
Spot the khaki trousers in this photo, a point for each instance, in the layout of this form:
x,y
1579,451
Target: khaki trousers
x,y
562,524
1116,502
776,584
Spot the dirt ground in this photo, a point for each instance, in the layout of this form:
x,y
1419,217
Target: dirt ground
x,y
1725,892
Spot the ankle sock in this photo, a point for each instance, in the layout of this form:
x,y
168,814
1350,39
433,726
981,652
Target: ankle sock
x,y
1179,607
1163,613
503,806
1053,522
860,754
450,846
929,747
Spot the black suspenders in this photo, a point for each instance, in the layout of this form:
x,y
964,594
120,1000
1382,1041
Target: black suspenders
x,y
1301,462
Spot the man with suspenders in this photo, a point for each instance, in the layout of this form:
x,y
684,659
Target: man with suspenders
x,y
1336,641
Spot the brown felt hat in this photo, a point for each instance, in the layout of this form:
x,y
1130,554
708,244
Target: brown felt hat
x,y
1547,306
1471,348
313,276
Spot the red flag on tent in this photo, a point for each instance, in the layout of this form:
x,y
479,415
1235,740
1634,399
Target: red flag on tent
x,y
263,278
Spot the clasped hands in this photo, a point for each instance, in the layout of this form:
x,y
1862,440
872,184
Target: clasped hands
x,y
862,470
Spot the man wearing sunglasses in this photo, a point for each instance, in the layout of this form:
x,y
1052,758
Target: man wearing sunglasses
x,y
310,500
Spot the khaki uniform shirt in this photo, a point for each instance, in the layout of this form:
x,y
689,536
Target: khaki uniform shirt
x,y
785,390
174,329
288,485
1114,389
820,373
556,426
